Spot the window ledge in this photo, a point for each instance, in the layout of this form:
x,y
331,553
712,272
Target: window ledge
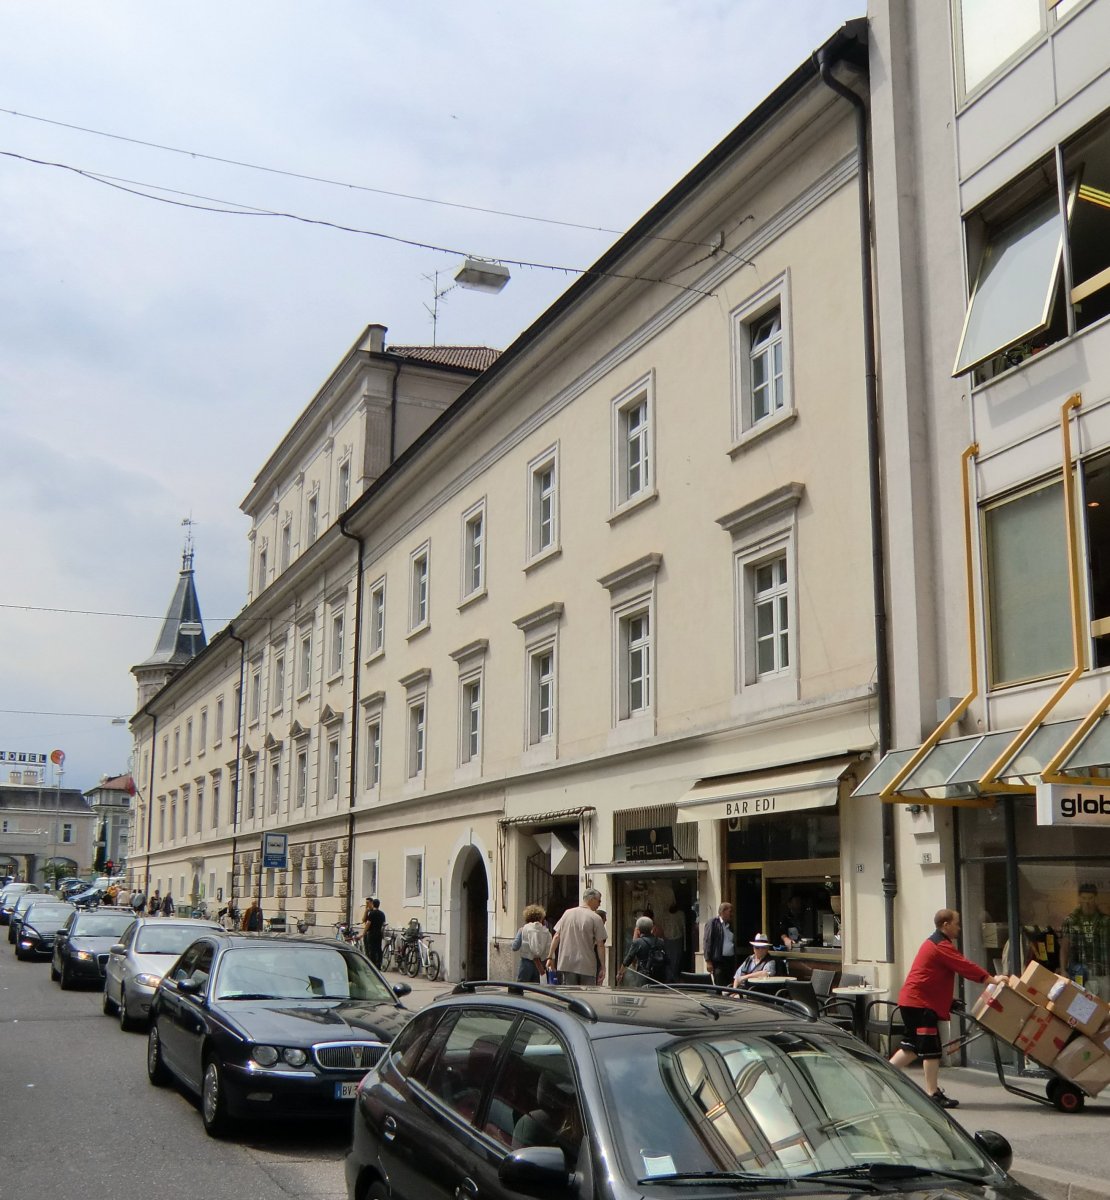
x,y
413,902
542,752
545,555
334,677
472,598
628,730
375,655
413,785
769,691
468,772
630,506
276,712
412,633
304,695
763,429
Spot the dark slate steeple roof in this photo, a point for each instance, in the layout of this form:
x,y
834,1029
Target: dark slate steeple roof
x,y
176,647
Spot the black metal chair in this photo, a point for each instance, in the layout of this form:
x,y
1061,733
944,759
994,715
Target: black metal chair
x,y
695,977
829,1007
884,1026
802,991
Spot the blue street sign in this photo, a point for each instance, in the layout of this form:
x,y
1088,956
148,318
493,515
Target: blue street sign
x,y
275,850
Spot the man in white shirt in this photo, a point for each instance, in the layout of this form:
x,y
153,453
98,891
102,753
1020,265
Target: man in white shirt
x,y
579,941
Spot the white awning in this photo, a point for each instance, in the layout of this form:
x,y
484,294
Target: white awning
x,y
766,793
647,866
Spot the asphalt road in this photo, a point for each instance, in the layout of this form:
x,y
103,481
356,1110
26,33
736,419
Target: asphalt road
x,y
78,1117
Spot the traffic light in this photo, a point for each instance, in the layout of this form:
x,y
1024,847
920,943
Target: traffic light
x,y
108,867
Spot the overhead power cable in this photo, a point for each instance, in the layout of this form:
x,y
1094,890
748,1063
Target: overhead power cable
x,y
354,187
235,208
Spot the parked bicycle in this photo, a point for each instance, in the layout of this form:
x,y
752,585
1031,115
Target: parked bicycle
x,y
391,948
417,956
351,934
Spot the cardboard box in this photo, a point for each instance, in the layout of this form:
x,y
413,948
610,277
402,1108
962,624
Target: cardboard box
x,y
1095,1077
1102,1037
1077,1056
1043,1036
1082,1010
1002,1010
1035,983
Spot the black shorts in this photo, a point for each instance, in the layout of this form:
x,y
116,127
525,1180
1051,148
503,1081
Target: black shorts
x,y
921,1036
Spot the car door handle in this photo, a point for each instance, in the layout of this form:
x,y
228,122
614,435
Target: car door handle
x,y
389,1129
468,1188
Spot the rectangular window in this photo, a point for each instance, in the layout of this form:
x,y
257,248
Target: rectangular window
x,y
542,507
304,664
162,821
185,811
67,832
768,393
202,731
417,714
252,793
298,877
189,740
470,741
261,570
632,444
333,768
256,693
286,544
373,753
219,731
991,32
376,631
302,778
215,801
237,708
414,875
327,879
542,719
313,521
1029,632
275,783
336,660
277,700
762,398
173,817
176,748
418,608
771,606
344,490
636,654
200,806
474,560
165,755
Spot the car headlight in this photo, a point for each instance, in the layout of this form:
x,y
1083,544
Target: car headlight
x,y
294,1057
265,1056
84,955
145,980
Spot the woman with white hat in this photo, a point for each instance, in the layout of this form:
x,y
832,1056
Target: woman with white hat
x,y
759,964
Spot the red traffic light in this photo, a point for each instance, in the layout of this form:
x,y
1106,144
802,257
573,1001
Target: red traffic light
x,y
108,866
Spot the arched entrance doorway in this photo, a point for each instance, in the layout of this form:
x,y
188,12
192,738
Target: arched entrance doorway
x,y
473,909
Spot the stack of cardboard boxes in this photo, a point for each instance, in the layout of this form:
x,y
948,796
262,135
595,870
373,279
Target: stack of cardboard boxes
x,y
1053,1021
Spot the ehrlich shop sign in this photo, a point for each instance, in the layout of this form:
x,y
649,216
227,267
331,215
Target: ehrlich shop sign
x,y
1063,804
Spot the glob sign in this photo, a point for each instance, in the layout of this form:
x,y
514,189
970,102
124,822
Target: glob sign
x,y
1063,804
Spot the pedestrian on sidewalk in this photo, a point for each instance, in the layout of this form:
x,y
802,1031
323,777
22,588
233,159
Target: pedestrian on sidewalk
x,y
373,930
533,942
926,999
719,946
579,941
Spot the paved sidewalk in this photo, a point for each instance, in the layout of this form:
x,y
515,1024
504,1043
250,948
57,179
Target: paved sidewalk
x,y
1061,1156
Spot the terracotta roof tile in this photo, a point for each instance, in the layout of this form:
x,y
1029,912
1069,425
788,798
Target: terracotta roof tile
x,y
469,358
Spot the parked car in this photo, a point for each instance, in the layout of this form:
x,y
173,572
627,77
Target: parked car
x,y
136,964
87,897
498,1090
10,895
81,945
41,922
18,909
68,887
270,1026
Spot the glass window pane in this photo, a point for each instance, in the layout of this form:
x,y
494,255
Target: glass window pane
x,y
992,31
764,620
1017,280
1027,587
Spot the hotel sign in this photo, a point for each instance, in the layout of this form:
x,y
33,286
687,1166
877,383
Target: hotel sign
x,y
1064,804
23,758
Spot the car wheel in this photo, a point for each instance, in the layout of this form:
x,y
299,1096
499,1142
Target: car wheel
x,y
107,1004
54,971
156,1070
213,1102
65,978
125,1022
377,1191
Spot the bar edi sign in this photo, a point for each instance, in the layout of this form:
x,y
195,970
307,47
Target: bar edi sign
x,y
1063,804
275,850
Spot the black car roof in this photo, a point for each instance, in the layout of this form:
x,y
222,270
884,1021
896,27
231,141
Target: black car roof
x,y
240,939
605,1012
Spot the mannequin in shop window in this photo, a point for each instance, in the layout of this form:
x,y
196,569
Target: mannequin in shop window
x,y
1085,943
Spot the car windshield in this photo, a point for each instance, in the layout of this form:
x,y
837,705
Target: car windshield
x,y
47,917
167,939
25,901
275,972
101,924
778,1104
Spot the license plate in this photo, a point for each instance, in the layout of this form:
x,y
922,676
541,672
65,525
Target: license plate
x,y
346,1091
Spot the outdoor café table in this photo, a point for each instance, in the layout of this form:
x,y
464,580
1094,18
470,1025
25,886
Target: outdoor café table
x,y
859,994
768,984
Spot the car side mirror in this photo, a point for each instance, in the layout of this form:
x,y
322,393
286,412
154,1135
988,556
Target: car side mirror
x,y
401,989
535,1171
995,1147
189,987
118,948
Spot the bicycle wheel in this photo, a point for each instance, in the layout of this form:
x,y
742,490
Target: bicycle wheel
x,y
387,957
412,961
433,965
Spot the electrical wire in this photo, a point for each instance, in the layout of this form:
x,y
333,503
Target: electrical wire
x,y
34,712
356,187
234,208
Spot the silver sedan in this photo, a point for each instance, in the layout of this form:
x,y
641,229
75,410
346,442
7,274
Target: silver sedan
x,y
147,950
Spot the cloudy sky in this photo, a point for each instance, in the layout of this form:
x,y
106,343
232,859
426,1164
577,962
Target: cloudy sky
x,y
152,354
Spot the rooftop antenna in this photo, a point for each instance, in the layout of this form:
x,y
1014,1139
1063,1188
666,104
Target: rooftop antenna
x,y
437,294
187,553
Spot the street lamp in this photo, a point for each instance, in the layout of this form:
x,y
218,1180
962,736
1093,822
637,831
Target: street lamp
x,y
481,275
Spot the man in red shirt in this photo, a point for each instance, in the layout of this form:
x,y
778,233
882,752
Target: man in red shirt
x,y
926,998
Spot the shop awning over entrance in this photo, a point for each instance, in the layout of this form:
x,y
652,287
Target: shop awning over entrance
x,y
648,866
765,793
953,771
